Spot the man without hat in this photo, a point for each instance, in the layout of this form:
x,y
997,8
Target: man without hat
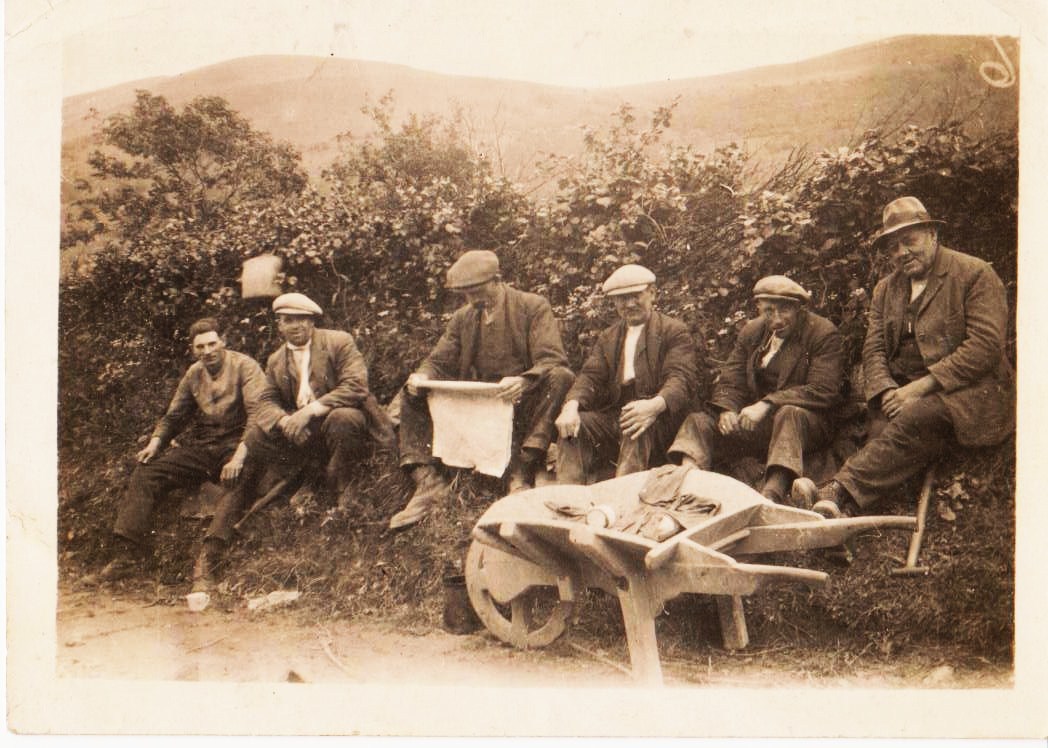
x,y
934,362
499,335
315,402
634,389
212,409
776,393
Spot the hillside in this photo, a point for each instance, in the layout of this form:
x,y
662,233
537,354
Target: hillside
x,y
822,102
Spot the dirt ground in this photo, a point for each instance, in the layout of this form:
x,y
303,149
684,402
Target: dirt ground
x,y
132,636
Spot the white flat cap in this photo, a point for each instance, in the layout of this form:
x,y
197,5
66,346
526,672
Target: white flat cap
x,y
780,287
473,268
296,303
628,279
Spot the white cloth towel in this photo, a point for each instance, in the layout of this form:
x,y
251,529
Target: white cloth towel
x,y
472,427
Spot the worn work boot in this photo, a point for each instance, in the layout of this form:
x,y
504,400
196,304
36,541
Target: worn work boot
x,y
206,563
126,560
776,481
522,476
834,501
430,489
804,494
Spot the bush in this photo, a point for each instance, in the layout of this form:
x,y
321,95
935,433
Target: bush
x,y
371,243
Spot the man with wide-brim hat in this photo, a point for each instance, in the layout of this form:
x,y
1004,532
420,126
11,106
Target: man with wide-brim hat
x,y
934,361
776,394
635,387
315,403
503,335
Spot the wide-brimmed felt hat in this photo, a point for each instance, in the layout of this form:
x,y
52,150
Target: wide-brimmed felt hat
x,y
628,279
781,288
296,303
901,214
473,268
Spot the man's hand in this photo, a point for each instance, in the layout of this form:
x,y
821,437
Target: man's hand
x,y
752,415
569,422
636,417
296,426
511,388
728,423
232,469
415,380
893,402
148,452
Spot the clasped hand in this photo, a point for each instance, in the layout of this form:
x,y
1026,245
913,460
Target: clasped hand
x,y
296,426
746,419
638,416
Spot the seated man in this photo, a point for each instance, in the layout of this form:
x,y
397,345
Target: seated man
x,y
210,413
933,361
315,403
500,335
776,393
634,389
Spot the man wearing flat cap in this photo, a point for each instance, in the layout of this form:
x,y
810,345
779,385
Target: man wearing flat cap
x,y
634,389
315,402
776,393
934,363
499,335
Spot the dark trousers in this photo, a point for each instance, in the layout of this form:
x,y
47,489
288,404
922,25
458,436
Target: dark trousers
x,y
178,467
600,442
781,439
336,441
897,449
533,418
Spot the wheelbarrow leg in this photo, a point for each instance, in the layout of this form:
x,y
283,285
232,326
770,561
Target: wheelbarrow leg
x,y
732,621
638,617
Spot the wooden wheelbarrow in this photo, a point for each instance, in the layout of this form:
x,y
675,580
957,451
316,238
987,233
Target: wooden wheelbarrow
x,y
528,563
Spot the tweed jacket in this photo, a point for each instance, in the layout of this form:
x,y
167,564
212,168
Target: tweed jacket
x,y
535,337
337,374
664,365
809,362
960,331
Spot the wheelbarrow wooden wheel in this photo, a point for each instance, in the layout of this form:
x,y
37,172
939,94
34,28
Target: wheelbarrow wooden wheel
x,y
515,599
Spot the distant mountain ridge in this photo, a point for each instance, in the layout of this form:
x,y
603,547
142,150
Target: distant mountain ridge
x,y
822,102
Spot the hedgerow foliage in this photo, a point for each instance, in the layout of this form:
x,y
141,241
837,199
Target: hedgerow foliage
x,y
199,191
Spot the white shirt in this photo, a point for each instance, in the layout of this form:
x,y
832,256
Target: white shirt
x,y
305,393
629,352
916,287
773,347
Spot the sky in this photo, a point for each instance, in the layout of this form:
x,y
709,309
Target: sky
x,y
578,43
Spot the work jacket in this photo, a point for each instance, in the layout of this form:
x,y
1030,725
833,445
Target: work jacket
x,y
337,376
533,335
664,365
960,329
808,360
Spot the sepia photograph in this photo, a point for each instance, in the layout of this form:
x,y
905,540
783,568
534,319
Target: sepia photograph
x,y
525,368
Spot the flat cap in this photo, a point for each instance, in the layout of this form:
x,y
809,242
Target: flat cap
x,y
473,268
296,303
628,279
780,287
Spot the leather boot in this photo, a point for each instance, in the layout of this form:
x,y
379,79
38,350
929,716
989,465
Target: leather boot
x,y
776,481
430,489
207,561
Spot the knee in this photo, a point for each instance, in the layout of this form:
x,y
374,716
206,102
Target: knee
x,y
698,423
559,378
345,422
791,414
